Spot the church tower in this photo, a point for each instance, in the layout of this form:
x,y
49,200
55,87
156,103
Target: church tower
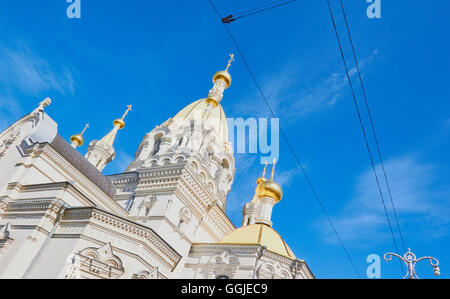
x,y
101,152
183,171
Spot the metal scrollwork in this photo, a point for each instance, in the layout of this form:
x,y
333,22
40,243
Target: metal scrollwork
x,y
411,260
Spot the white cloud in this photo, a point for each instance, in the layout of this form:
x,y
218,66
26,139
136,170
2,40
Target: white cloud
x,y
293,95
421,204
22,72
22,68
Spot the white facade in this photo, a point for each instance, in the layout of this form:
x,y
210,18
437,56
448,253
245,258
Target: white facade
x,y
60,217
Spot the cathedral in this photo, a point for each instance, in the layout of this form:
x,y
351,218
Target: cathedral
x,y
162,218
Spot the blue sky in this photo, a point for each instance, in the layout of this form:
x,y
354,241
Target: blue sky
x,y
150,54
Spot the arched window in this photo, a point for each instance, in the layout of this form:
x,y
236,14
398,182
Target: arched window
x,y
157,145
223,277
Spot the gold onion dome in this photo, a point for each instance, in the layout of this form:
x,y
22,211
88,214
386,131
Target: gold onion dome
x,y
269,188
209,109
120,123
78,139
216,93
224,75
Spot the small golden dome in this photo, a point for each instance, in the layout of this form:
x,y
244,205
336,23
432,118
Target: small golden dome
x,y
77,139
269,189
224,75
119,123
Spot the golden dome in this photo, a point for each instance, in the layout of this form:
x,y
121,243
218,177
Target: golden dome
x,y
259,234
224,75
77,139
119,123
269,189
216,118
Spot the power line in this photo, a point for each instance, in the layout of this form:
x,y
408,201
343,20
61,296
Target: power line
x,y
362,128
232,18
372,125
291,148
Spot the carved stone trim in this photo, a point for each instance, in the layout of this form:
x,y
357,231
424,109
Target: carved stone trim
x,y
128,228
61,163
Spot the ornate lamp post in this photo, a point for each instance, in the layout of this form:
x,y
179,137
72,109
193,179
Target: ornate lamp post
x,y
410,260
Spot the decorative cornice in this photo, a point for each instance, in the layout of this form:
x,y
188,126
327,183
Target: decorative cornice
x,y
47,151
242,248
59,186
158,245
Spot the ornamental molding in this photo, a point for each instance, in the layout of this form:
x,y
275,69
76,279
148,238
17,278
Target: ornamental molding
x,y
104,219
165,219
248,249
59,186
182,180
150,274
95,263
47,151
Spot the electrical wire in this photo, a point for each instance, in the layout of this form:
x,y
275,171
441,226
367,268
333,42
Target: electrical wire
x,y
291,148
250,12
363,129
372,125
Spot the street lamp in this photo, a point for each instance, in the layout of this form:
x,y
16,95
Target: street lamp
x,y
410,260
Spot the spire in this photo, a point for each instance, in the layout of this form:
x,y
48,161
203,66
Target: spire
x,y
118,125
221,80
101,152
78,139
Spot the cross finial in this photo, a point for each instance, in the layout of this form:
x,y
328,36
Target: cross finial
x,y
273,169
84,130
264,172
126,112
230,61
